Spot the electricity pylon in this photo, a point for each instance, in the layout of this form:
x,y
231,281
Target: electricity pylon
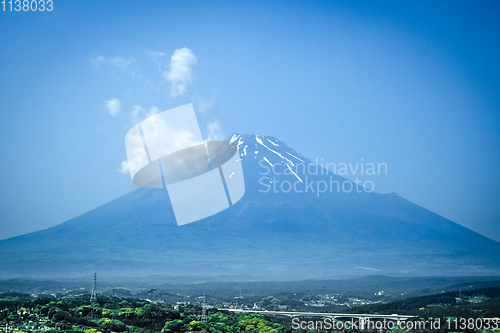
x,y
93,296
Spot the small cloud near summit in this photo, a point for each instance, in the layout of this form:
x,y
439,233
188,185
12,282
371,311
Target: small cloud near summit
x,y
214,131
180,72
114,106
124,170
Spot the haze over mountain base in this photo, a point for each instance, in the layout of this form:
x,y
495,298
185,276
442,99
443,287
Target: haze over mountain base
x,y
264,236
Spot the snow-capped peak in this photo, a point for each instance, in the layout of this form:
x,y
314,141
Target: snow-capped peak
x,y
268,148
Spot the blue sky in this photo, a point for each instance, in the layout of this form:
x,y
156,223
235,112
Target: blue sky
x,y
411,84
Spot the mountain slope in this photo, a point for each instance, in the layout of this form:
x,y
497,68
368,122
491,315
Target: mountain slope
x,y
266,235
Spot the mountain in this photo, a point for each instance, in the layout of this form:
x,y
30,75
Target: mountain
x,y
267,235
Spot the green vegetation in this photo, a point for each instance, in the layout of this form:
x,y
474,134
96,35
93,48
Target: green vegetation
x,y
74,313
22,313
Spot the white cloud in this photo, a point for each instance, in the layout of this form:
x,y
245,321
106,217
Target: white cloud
x,y
180,73
116,62
155,55
214,131
139,114
97,60
152,111
114,106
119,62
205,105
124,170
164,138
136,114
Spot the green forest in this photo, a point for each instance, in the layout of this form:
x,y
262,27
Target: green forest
x,y
22,313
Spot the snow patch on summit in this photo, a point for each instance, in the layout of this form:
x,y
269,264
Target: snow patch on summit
x,y
295,157
259,140
275,144
267,160
233,138
252,143
294,173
